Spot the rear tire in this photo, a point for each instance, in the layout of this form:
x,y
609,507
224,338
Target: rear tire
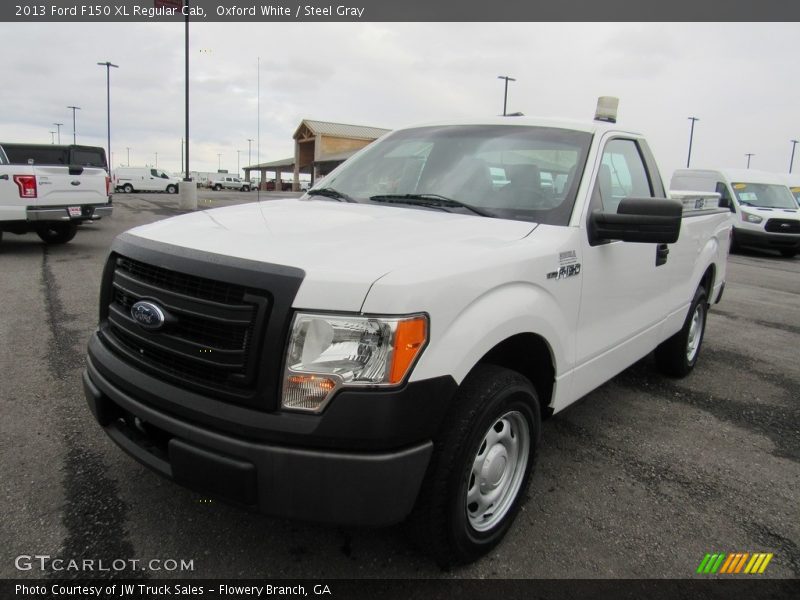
x,y
218,187
482,461
172,189
127,188
678,355
57,233
789,252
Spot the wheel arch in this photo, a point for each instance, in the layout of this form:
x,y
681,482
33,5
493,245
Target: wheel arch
x,y
530,355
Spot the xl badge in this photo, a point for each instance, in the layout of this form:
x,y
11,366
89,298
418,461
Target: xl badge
x,y
148,315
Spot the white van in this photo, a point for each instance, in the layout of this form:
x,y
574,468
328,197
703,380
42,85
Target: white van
x,y
766,213
144,179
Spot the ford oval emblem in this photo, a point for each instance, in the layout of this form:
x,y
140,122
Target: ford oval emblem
x,y
148,315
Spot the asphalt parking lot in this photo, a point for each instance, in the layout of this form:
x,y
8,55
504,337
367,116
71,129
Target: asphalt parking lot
x,y
639,479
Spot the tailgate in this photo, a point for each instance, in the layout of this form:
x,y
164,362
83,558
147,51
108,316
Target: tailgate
x,y
57,187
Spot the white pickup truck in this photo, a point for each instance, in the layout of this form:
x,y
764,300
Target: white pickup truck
x,y
229,182
385,347
49,189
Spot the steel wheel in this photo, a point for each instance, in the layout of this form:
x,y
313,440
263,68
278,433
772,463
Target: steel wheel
x,y
695,334
498,470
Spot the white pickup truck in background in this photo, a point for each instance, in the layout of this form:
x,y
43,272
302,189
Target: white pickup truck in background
x,y
229,182
50,189
385,347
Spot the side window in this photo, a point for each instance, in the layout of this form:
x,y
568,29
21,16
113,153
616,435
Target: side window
x,y
153,172
725,194
622,174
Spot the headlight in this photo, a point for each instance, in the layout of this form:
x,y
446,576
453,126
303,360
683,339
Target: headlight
x,y
751,218
327,352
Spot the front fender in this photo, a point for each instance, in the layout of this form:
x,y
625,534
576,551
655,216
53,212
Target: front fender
x,y
491,318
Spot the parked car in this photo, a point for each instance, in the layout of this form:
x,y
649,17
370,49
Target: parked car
x,y
144,179
385,347
229,182
50,189
286,186
766,213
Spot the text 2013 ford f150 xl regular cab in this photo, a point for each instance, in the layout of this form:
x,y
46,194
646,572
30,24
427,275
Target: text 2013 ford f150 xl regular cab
x,y
385,347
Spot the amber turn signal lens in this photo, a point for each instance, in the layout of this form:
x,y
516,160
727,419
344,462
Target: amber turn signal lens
x,y
409,339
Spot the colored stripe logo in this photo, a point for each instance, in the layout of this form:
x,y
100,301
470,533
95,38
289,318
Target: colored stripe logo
x,y
734,563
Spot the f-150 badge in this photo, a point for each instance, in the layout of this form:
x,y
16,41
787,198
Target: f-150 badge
x,y
565,271
569,266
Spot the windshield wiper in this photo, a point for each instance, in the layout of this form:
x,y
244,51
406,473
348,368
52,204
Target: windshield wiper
x,y
429,200
330,193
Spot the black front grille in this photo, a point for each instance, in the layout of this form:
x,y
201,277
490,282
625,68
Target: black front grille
x,y
210,339
782,226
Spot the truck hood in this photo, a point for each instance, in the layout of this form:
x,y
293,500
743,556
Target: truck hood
x,y
343,248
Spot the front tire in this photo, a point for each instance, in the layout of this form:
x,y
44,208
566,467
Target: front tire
x,y
482,461
678,355
57,233
172,189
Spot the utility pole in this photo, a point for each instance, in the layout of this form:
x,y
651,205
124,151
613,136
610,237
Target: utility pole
x,y
188,188
58,128
53,140
691,137
505,93
748,159
238,170
219,162
108,66
156,160
791,160
74,108
129,155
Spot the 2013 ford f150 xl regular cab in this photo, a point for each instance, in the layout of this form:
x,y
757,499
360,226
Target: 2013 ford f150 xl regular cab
x,y
385,347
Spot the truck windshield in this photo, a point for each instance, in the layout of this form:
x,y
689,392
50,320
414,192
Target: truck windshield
x,y
764,195
507,171
796,192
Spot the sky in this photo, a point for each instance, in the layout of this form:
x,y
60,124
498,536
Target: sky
x,y
740,79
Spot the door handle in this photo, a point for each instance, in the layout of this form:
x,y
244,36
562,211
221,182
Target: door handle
x,y
662,251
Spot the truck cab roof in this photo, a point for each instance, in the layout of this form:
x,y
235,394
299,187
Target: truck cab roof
x,y
587,126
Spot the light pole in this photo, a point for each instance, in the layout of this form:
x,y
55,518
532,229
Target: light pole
x,y
791,160
74,108
58,128
219,162
53,140
691,137
748,159
238,170
108,66
505,93
156,160
129,155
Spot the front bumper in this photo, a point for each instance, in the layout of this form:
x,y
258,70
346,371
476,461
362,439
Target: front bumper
x,y
766,239
334,484
61,213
